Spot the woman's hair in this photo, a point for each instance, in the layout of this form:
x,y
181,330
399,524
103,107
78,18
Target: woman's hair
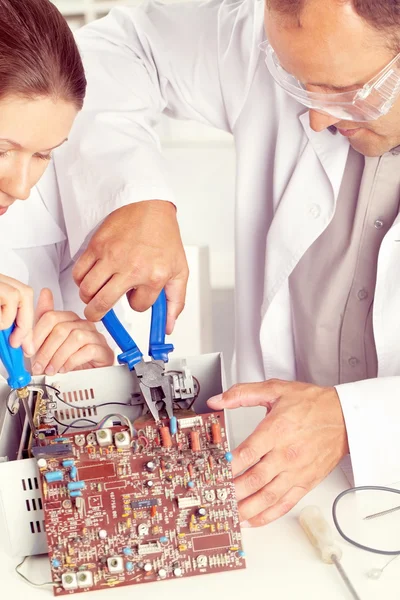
x,y
38,53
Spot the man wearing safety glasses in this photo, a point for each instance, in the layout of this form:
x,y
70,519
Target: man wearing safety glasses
x,y
317,137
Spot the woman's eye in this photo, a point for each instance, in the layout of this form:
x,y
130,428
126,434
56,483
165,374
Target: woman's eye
x,y
43,156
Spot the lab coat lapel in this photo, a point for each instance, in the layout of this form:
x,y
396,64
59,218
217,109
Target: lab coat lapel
x,y
306,207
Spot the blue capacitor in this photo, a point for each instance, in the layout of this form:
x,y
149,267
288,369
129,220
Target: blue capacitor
x,y
173,425
228,457
76,494
53,476
129,566
241,553
73,473
76,485
61,439
68,463
163,539
55,563
127,551
190,484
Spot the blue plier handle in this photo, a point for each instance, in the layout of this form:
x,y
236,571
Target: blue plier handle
x,y
13,360
150,373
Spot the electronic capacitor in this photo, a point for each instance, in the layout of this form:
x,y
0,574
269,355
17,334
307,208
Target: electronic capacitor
x,y
53,476
166,439
195,441
216,433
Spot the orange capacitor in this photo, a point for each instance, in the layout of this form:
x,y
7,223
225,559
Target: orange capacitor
x,y
195,441
216,433
153,511
191,471
166,439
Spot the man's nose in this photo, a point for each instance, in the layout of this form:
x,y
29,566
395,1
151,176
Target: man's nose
x,y
319,121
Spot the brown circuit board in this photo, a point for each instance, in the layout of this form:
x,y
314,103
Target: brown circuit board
x,y
122,509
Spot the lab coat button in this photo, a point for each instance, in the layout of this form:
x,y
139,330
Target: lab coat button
x,y
315,210
353,361
362,294
378,224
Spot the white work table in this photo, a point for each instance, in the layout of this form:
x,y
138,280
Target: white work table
x,y
281,565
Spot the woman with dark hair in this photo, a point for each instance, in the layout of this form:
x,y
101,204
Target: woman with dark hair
x,y
42,89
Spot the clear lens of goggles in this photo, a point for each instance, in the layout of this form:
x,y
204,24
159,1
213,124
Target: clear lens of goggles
x,y
369,103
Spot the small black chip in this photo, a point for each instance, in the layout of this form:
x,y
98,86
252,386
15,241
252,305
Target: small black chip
x,y
144,503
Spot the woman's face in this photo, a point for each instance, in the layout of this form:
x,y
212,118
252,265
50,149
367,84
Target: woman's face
x,y
29,131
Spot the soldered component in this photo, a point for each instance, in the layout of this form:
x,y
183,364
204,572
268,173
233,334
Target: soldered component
x,y
216,434
104,437
166,439
188,502
85,579
195,441
54,476
115,565
69,581
122,440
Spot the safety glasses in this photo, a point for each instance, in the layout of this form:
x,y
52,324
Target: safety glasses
x,y
368,103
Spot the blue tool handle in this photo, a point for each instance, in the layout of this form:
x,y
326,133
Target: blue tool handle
x,y
131,354
158,349
13,360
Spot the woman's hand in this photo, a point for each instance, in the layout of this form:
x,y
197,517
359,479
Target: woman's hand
x,y
65,342
16,305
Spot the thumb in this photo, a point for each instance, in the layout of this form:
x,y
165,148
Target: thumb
x,y
263,393
45,304
175,291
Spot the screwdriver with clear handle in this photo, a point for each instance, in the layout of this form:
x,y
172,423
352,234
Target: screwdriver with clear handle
x,y
320,535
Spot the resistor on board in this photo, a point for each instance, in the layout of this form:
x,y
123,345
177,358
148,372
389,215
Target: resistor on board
x,y
216,433
195,441
191,470
166,439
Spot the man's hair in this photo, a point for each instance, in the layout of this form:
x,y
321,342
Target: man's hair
x,y
38,53
379,14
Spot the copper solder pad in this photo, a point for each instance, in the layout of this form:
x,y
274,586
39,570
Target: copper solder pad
x,y
135,524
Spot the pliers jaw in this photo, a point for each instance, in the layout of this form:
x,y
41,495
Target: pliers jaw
x,y
152,377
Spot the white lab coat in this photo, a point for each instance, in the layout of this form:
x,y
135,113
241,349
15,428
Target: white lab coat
x,y
34,246
201,61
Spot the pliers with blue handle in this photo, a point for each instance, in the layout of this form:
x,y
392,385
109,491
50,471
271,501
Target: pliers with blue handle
x,y
13,360
151,374
18,376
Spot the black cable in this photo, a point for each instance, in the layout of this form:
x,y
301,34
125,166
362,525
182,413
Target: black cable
x,y
340,530
72,424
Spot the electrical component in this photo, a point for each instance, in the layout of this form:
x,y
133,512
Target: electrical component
x,y
216,434
115,565
195,441
85,579
69,581
188,501
166,439
53,476
189,422
122,440
104,437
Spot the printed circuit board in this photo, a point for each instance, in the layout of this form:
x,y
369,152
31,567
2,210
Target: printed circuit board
x,y
126,506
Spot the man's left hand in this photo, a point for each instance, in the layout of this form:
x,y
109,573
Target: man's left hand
x,y
297,444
